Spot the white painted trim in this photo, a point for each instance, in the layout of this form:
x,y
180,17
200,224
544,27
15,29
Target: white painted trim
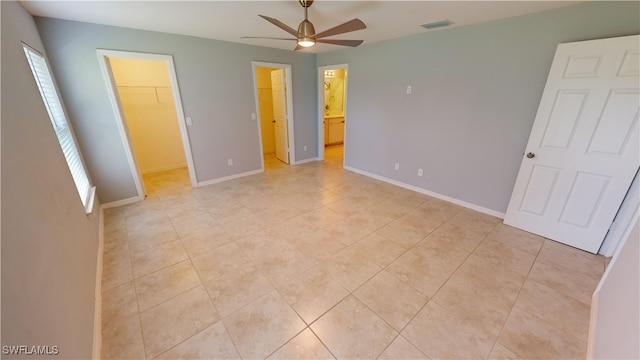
x,y
117,113
593,323
290,122
304,161
230,177
630,206
320,101
182,121
593,315
128,201
112,91
429,193
171,167
97,306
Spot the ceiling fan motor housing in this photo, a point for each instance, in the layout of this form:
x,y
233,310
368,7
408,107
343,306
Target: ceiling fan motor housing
x,y
306,3
306,29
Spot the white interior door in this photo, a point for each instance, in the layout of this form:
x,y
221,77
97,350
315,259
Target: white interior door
x,y
279,94
584,150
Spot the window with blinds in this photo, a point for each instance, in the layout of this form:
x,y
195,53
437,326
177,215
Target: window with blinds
x,y
59,121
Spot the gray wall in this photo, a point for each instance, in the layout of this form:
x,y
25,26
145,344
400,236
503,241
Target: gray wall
x,y
475,95
216,83
49,245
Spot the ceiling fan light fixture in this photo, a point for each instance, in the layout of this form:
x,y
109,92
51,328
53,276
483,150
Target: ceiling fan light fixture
x,y
306,41
306,33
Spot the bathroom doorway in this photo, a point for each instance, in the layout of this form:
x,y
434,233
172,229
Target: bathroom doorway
x,y
144,94
332,98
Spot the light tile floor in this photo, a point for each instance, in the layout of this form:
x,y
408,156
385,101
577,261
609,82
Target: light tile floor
x,y
313,261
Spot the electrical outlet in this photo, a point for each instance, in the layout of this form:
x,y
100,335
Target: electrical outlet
x,y
230,162
189,121
253,116
397,167
420,171
305,148
409,89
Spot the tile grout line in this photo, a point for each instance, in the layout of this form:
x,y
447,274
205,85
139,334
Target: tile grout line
x,y
513,306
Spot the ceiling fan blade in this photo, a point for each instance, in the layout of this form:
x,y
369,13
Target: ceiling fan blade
x,y
264,37
281,25
352,43
349,26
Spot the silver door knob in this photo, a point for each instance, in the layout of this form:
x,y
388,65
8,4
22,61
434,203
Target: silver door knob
x,y
531,155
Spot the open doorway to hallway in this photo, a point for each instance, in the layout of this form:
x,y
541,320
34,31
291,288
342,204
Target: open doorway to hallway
x,y
332,95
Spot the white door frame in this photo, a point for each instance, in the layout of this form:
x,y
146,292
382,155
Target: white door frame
x,y
321,70
118,112
290,133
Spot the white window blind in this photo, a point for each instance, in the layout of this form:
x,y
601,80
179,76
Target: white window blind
x,y
60,125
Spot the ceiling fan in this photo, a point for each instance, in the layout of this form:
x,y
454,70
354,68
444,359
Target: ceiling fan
x,y
306,35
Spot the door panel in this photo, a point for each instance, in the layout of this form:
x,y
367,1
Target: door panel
x,y
280,114
584,147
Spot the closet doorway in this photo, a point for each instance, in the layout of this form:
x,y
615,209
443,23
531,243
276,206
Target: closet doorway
x,y
272,84
144,94
332,112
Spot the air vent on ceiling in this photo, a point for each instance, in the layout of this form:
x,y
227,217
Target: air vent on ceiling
x,y
437,24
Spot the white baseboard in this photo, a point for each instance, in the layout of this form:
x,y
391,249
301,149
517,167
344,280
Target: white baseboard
x,y
97,315
128,201
230,177
165,168
306,161
429,193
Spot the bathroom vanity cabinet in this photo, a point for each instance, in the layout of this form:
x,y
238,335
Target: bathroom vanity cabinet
x,y
333,130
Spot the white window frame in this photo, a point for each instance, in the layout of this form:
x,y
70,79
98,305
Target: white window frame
x,y
64,133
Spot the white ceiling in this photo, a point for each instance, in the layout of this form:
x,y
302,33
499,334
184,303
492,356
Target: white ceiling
x,y
230,20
